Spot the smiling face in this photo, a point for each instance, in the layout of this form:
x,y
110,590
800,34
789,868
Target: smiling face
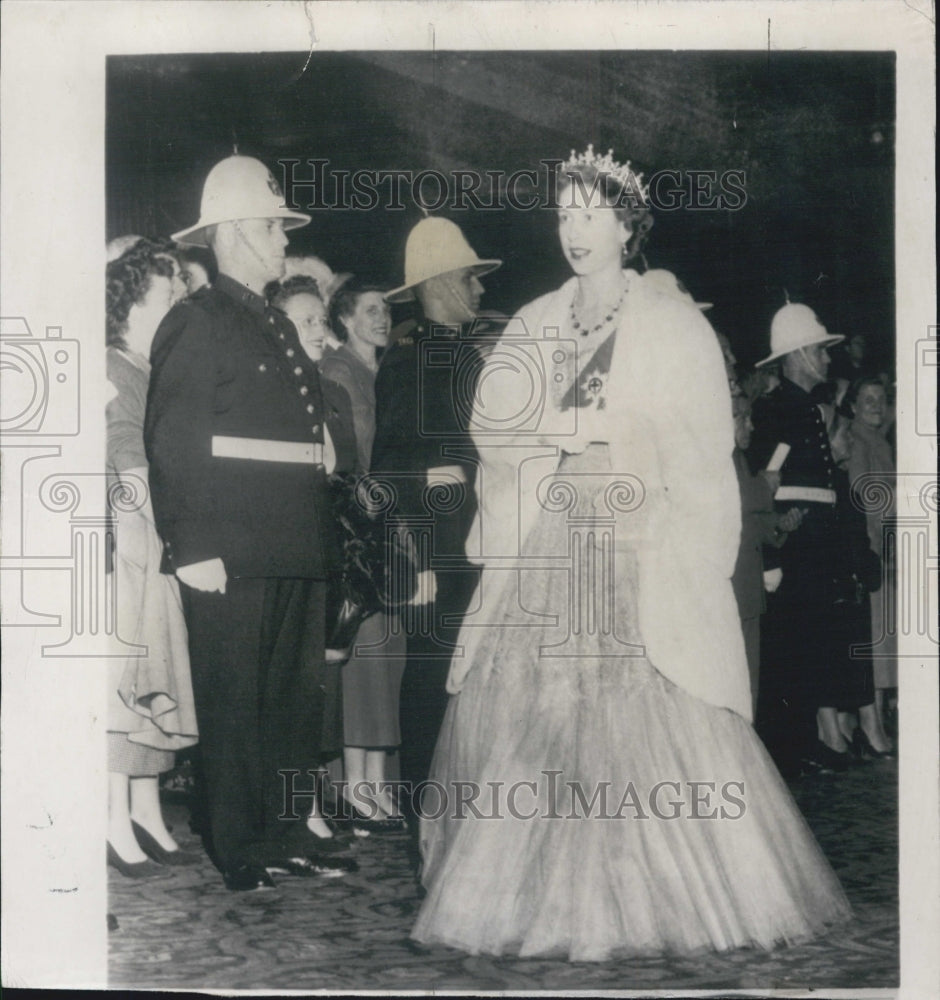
x,y
370,322
871,405
591,234
308,314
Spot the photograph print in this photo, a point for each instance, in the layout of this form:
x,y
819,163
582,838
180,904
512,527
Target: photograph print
x,y
505,549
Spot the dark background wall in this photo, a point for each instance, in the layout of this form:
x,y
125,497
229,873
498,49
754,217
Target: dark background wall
x,y
813,133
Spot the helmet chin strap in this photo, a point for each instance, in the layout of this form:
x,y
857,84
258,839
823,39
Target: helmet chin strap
x,y
266,265
812,367
464,306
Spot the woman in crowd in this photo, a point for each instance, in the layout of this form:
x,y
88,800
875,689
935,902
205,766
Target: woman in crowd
x,y
150,699
360,320
604,663
199,267
299,298
855,574
871,457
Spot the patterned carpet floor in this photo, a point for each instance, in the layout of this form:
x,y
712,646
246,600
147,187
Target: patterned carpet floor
x,y
182,929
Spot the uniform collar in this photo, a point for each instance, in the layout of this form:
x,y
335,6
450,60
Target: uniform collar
x,y
240,293
792,389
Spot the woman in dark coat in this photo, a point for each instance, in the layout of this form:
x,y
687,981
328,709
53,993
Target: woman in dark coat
x,y
359,319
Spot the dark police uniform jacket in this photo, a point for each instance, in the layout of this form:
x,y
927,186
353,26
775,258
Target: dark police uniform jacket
x,y
807,478
423,404
234,438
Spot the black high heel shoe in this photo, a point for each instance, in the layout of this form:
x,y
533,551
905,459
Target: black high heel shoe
x,y
363,825
155,850
862,745
132,869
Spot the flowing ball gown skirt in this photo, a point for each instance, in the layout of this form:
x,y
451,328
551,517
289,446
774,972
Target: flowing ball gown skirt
x,y
588,807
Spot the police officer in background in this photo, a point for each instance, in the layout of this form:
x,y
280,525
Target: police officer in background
x,y
798,683
239,455
422,448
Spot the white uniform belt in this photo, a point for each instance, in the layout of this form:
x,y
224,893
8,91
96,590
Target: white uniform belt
x,y
816,494
263,450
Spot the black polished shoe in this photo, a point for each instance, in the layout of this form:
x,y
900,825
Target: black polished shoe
x,y
310,865
153,849
133,869
247,878
113,924
332,865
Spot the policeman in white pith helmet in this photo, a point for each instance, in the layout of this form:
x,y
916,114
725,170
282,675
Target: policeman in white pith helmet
x,y
443,272
423,404
240,435
799,678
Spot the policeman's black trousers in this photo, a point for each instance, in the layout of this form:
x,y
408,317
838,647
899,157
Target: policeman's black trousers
x,y
424,696
265,705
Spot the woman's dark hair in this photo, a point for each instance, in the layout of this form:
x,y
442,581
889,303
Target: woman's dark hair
x,y
626,203
343,304
851,395
128,280
279,293
202,256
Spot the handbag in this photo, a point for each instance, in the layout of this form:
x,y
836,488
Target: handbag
x,y
377,568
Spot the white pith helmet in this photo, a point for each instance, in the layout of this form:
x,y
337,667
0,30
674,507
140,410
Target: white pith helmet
x,y
436,246
795,326
239,187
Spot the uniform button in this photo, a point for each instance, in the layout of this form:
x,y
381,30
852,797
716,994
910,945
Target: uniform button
x,y
310,407
271,319
282,336
298,370
290,352
304,390
315,428
262,368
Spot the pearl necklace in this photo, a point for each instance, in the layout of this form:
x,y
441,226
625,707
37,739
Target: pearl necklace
x,y
578,327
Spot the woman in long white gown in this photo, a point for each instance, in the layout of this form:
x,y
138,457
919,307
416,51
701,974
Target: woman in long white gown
x,y
598,787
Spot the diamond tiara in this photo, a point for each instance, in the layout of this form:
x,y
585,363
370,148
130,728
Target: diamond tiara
x,y
606,164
